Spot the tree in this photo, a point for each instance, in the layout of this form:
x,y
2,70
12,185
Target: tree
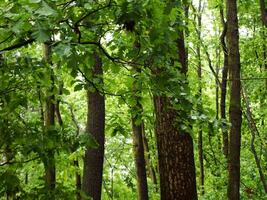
x,y
49,157
235,100
94,158
224,83
175,144
138,146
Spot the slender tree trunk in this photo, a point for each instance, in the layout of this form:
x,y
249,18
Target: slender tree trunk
x,y
138,147
254,130
224,85
49,160
263,11
78,183
235,101
150,167
78,180
199,73
139,160
93,161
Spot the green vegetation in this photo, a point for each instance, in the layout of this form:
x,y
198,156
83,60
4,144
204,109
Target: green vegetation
x,y
139,99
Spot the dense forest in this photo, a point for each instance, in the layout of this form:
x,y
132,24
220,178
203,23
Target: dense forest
x,y
133,99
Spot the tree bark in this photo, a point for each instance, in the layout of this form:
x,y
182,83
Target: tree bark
x,y
175,147
93,161
224,85
199,72
263,12
175,152
49,160
150,167
235,101
138,147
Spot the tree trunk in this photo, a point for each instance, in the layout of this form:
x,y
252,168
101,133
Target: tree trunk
x,y
254,131
224,85
175,147
150,167
139,160
49,160
78,183
93,161
263,12
138,147
175,152
199,72
235,102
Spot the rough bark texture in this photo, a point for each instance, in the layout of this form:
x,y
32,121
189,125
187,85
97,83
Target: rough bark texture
x,y
235,102
93,161
175,148
224,85
138,147
175,152
49,160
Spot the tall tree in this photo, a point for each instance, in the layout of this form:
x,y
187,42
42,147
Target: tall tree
x,y
93,160
49,158
224,83
235,100
139,154
150,167
200,107
175,146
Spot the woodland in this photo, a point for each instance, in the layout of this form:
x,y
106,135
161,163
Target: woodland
x,y
133,99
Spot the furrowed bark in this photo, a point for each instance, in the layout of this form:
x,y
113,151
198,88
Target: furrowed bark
x,y
175,147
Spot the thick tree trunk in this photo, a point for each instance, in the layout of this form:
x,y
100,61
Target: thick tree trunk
x,y
49,160
235,102
224,85
93,161
175,152
175,148
138,147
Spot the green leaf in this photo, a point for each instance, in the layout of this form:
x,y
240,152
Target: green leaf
x,y
78,87
46,10
41,34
